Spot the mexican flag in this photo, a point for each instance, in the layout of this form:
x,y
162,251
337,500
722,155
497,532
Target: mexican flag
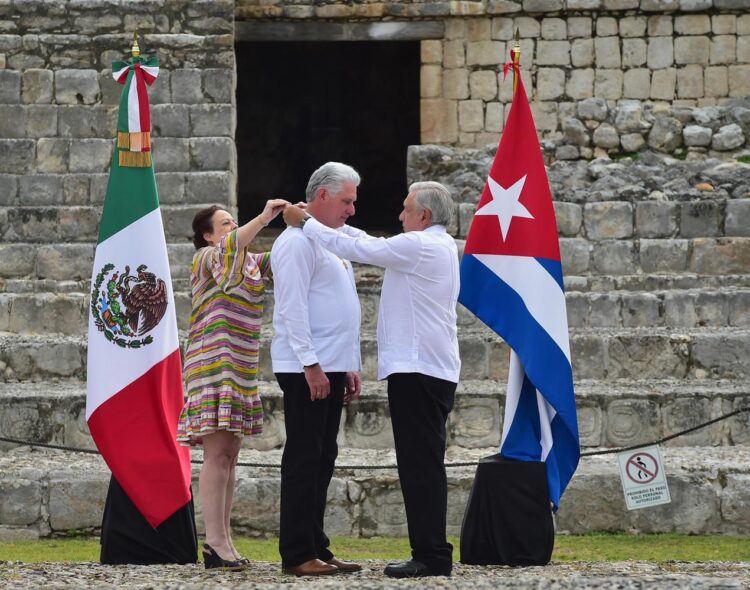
x,y
134,385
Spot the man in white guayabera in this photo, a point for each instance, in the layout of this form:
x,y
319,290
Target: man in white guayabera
x,y
316,359
417,353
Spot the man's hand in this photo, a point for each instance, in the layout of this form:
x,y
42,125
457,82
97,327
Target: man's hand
x,y
293,215
317,381
353,386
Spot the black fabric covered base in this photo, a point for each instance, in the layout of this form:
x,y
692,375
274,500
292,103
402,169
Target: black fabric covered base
x,y
508,519
127,538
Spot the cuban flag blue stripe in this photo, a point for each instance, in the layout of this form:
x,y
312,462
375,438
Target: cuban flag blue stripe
x,y
547,367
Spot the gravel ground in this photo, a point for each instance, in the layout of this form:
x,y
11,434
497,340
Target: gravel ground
x,y
713,575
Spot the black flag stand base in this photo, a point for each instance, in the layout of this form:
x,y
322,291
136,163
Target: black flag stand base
x,y
508,519
128,538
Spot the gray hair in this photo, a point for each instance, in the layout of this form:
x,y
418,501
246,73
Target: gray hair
x,y
330,175
435,197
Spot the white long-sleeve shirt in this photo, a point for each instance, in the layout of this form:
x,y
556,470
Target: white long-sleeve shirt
x,y
316,313
417,316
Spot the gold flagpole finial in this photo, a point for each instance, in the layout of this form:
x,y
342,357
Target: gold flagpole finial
x,y
516,57
135,49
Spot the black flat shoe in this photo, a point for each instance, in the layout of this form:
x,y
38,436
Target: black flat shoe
x,y
212,560
412,569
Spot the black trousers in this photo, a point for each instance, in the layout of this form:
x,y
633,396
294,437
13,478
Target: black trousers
x,y
419,406
307,466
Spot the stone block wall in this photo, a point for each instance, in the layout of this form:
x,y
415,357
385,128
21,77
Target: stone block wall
x,y
660,53
58,109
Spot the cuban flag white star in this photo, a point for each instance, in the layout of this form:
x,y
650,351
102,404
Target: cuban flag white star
x,y
505,204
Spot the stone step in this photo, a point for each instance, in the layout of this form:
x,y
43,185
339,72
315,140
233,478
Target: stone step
x,y
610,414
47,492
21,258
67,312
597,353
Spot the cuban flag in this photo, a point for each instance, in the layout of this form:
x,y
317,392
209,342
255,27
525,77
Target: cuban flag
x,y
511,279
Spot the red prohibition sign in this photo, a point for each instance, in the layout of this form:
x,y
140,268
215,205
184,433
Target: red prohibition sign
x,y
642,471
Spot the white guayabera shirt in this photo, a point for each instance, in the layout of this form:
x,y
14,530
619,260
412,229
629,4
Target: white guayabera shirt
x,y
417,316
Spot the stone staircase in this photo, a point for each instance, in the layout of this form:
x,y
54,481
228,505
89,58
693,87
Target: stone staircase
x,y
658,293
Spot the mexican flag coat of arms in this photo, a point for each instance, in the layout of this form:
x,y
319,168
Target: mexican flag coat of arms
x,y
134,385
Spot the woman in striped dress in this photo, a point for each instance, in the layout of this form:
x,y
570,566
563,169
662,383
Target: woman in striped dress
x,y
221,362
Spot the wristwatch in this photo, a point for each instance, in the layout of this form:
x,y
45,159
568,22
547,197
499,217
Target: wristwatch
x,y
303,221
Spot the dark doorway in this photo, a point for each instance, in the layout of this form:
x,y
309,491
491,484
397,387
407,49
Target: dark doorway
x,y
301,104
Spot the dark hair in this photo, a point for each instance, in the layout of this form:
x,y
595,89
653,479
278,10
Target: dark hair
x,y
202,224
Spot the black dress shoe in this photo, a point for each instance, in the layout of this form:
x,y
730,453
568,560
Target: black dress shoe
x,y
212,560
413,569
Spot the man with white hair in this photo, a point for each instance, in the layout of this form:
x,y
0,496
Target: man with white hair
x,y
316,359
417,353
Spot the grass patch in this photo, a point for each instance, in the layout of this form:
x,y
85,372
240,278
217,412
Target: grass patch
x,y
568,548
744,159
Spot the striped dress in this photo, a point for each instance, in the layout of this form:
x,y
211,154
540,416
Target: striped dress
x,y
221,359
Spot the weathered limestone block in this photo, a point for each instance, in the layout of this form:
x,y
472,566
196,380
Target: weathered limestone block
x,y
691,50
474,423
575,254
716,81
42,121
739,80
631,421
637,83
8,189
690,82
659,5
48,313
724,24
10,87
593,109
171,154
483,85
608,84
503,6
695,5
430,81
588,354
455,86
737,221
607,50
13,121
739,310
728,138
470,115
485,53
695,135
723,49
640,309
665,134
663,84
554,29
647,356
20,500
41,190
743,48
629,117
700,219
712,309
97,121
186,86
693,24
605,136
431,51
16,155
720,256
58,359
474,358
660,53
577,305
592,502
77,502
170,120
545,115
605,310
694,508
632,142
721,355
64,261
579,26
679,309
218,85
614,257
91,155
215,120
550,83
735,502
633,52
76,86
575,132
664,255
580,84
569,218
582,53
553,53
17,261
37,86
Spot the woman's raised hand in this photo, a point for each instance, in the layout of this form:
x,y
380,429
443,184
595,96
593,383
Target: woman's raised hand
x,y
272,209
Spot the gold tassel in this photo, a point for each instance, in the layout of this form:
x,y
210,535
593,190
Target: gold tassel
x,y
137,141
135,159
